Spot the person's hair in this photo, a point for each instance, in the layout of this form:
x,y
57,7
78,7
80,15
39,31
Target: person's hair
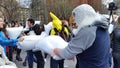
x,y
118,21
64,22
31,21
38,29
42,28
4,29
1,17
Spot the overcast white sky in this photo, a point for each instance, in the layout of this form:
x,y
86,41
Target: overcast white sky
x,y
107,1
24,3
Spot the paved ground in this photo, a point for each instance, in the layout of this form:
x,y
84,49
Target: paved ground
x,y
68,63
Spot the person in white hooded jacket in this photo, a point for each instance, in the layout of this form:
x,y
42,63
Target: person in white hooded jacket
x,y
4,62
91,42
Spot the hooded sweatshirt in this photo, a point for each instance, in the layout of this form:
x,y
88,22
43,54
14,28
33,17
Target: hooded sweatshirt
x,y
91,42
4,60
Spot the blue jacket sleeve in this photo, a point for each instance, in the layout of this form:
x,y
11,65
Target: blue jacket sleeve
x,y
5,41
14,44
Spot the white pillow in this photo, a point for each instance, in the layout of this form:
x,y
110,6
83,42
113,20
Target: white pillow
x,y
14,32
26,26
29,42
31,33
37,22
7,66
48,27
49,43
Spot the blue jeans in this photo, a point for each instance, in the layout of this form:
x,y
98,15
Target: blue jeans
x,y
110,59
30,58
39,59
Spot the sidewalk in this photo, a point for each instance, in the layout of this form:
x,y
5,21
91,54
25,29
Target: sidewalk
x,y
68,63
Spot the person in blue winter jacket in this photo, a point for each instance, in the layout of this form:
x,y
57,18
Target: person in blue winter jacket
x,y
4,40
91,43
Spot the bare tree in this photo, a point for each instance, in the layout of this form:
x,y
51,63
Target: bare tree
x,y
62,8
96,4
118,5
9,9
38,10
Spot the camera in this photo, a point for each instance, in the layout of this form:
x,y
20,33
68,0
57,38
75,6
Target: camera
x,y
112,6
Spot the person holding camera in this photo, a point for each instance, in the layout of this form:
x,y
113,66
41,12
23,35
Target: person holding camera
x,y
115,44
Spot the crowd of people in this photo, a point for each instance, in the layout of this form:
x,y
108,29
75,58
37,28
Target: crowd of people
x,y
89,40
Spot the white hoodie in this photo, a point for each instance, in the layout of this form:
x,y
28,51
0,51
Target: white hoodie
x,y
4,62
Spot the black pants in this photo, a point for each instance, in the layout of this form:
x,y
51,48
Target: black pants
x,y
56,63
45,55
18,52
10,53
39,58
77,64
